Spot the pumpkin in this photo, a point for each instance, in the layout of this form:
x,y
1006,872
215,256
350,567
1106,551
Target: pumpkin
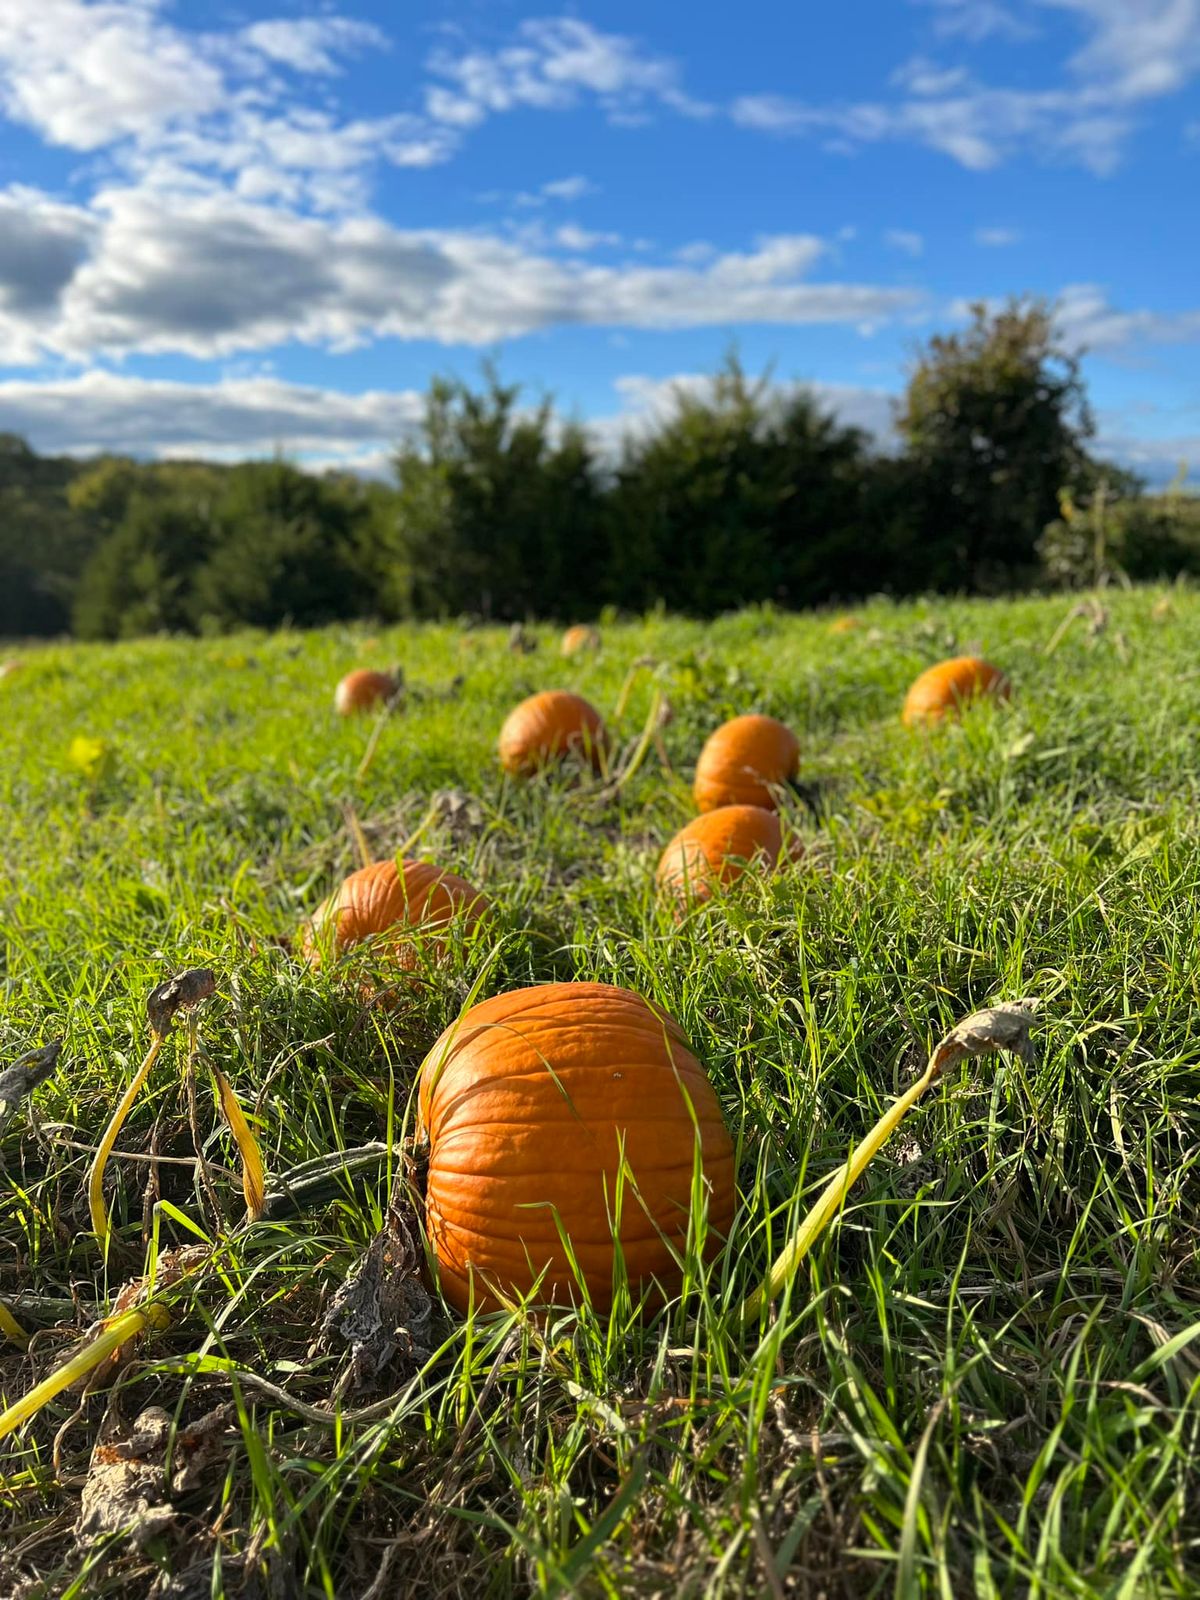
x,y
580,637
716,848
362,690
843,625
745,763
398,899
530,1103
549,727
944,689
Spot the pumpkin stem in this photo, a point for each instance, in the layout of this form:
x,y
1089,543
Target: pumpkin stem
x,y
1004,1027
95,1188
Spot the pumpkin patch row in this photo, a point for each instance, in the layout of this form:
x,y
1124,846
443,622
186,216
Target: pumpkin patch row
x,y
540,1106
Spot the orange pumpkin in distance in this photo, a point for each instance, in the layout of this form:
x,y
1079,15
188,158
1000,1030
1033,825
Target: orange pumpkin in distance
x,y
530,1101
844,625
548,727
943,690
580,637
716,848
745,763
362,690
399,901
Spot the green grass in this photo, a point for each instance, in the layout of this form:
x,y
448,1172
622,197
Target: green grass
x,y
983,1383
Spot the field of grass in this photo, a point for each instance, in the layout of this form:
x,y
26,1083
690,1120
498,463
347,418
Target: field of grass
x,y
984,1382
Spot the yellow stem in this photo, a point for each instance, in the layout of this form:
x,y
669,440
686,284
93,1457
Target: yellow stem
x,y
643,744
96,1175
631,677
364,766
11,1328
359,837
86,1360
421,829
253,1182
829,1203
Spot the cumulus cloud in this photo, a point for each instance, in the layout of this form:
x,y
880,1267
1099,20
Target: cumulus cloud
x,y
231,275
237,417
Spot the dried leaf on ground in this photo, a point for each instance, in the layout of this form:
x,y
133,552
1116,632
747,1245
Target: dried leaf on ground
x,y
174,994
126,1489
383,1310
1002,1027
24,1076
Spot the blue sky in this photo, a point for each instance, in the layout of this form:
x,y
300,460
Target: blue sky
x,y
230,228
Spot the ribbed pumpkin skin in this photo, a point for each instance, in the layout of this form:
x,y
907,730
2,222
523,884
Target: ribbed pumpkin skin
x,y
416,897
744,762
578,638
361,690
549,727
716,848
526,1101
943,690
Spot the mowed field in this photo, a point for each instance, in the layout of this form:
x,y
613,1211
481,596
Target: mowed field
x,y
985,1381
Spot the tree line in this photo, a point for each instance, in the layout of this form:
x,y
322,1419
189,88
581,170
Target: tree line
x,y
742,493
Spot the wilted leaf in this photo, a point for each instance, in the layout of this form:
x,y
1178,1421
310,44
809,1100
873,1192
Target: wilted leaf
x,y
24,1076
253,1182
383,1309
178,993
1003,1027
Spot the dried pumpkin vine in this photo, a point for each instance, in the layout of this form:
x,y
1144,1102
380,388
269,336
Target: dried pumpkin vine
x,y
180,993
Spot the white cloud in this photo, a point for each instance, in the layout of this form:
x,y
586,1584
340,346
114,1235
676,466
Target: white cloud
x,y
1134,53
231,275
88,75
997,238
573,188
233,419
1089,321
556,63
905,241
977,20
312,44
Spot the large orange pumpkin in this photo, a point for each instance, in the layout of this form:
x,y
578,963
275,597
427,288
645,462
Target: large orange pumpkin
x,y
549,727
580,637
943,690
396,900
716,848
529,1103
362,690
745,763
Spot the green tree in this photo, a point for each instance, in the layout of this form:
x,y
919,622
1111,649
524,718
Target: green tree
x,y
497,510
286,546
140,580
742,493
995,421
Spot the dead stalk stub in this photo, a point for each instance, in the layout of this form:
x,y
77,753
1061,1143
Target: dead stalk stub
x,y
1002,1027
181,992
